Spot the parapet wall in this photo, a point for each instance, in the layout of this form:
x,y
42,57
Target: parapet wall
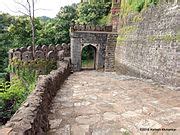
x,y
45,57
41,52
31,117
149,45
77,27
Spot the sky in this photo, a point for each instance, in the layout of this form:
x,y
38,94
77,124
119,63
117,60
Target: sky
x,y
46,7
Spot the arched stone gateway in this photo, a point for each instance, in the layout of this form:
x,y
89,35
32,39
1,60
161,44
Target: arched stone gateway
x,y
103,40
89,57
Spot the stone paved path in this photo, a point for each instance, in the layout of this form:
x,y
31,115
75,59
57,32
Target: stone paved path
x,y
99,103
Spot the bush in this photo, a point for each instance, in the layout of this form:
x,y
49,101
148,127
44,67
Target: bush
x,y
106,20
92,13
128,6
11,99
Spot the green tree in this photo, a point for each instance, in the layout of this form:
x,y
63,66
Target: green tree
x,y
21,32
5,39
92,13
56,31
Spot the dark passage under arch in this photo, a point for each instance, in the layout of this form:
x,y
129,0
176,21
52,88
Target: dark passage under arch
x,y
88,57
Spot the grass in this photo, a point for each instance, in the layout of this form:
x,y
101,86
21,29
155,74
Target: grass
x,y
88,63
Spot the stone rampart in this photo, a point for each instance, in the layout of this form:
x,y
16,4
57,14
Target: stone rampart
x,y
41,52
31,117
149,45
77,27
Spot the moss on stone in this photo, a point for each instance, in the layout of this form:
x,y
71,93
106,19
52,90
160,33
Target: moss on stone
x,y
137,18
127,29
121,38
152,38
124,31
166,38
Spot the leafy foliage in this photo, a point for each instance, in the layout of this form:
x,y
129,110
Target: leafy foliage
x,y
129,6
13,93
11,99
92,13
5,39
15,31
98,1
56,31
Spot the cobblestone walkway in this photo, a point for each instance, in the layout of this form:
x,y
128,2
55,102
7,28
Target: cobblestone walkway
x,y
99,103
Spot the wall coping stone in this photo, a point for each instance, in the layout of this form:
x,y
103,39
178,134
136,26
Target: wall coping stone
x,y
31,117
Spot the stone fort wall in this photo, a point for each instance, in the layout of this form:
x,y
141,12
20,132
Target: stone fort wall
x,y
51,52
32,117
101,37
149,45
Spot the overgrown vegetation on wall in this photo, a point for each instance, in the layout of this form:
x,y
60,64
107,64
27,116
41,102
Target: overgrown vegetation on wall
x,y
133,7
129,6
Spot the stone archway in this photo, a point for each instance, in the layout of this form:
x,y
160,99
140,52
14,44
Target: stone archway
x,y
89,56
101,37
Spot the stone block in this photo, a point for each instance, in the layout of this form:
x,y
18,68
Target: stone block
x,y
39,55
23,49
10,54
29,48
37,47
59,47
51,55
44,49
51,47
17,54
27,56
61,55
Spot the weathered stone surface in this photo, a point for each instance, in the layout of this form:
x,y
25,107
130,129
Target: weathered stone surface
x,y
10,54
80,129
39,55
57,52
110,116
23,49
51,47
85,103
91,119
129,114
5,131
104,47
150,47
17,54
61,55
44,49
59,47
148,123
27,56
55,123
37,47
29,48
79,28
51,55
100,103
